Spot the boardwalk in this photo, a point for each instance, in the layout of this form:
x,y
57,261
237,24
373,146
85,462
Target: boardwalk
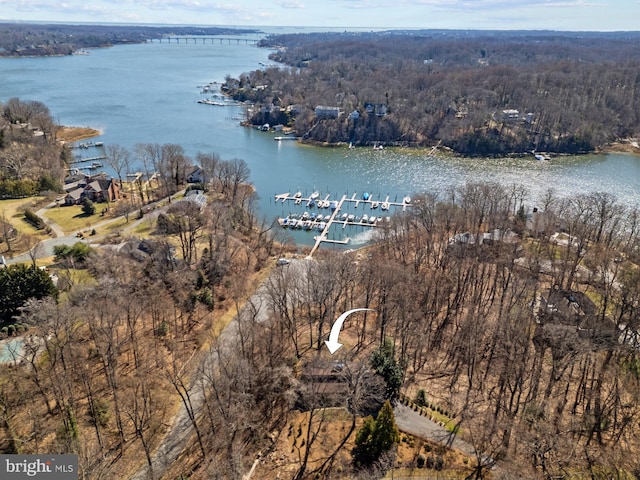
x,y
336,207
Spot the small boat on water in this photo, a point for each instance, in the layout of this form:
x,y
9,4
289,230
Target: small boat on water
x,y
343,217
305,216
351,217
406,200
314,195
365,196
297,195
284,222
365,218
385,206
372,219
374,204
334,205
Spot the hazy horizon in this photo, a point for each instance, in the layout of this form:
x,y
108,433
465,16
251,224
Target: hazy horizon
x,y
506,15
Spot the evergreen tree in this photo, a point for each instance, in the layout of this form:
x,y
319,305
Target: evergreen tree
x,y
18,283
376,437
385,365
88,208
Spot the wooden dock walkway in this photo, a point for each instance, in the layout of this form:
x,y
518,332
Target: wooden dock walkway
x,y
87,159
336,207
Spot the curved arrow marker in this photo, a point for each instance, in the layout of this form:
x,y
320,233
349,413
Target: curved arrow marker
x,y
332,344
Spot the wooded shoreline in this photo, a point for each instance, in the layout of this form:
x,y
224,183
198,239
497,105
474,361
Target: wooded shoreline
x,y
482,94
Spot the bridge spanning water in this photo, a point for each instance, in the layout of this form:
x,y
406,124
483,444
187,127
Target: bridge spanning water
x,y
204,40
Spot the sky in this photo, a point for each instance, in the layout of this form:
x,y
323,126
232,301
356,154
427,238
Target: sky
x,y
571,15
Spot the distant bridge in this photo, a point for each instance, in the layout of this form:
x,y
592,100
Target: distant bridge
x,y
206,40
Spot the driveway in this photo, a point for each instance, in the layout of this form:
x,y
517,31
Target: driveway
x,y
415,424
46,246
181,430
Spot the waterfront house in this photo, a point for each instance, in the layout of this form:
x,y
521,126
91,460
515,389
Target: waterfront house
x,y
97,188
196,175
73,197
510,115
324,111
295,109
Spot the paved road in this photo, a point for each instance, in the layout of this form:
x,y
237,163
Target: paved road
x,y
181,429
46,246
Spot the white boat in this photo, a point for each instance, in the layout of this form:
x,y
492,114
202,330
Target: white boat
x,y
374,204
351,217
385,206
298,195
406,199
314,195
305,215
327,218
365,218
321,226
344,216
372,219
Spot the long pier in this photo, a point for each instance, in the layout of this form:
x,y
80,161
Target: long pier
x,y
336,207
206,40
88,159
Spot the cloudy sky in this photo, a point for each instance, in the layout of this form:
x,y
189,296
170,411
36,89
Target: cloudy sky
x,y
472,14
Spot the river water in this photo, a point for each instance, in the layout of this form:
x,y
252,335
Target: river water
x,y
148,93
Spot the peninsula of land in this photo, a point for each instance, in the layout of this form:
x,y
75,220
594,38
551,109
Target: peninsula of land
x,y
474,93
37,40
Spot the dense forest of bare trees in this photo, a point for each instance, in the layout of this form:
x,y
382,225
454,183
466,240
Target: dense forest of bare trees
x,y
56,39
523,326
479,93
30,158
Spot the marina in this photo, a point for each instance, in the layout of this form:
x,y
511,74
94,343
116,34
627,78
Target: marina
x,y
338,215
130,113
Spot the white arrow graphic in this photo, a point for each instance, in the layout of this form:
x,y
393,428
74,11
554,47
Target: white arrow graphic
x,y
332,344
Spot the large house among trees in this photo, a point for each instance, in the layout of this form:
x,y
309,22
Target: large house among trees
x,y
97,188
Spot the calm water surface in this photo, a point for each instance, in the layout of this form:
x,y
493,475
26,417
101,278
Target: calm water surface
x,y
148,93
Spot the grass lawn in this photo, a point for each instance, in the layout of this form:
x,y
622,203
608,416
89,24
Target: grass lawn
x,y
12,211
70,218
144,229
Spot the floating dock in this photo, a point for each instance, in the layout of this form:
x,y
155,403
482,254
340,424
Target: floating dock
x,y
88,159
314,200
